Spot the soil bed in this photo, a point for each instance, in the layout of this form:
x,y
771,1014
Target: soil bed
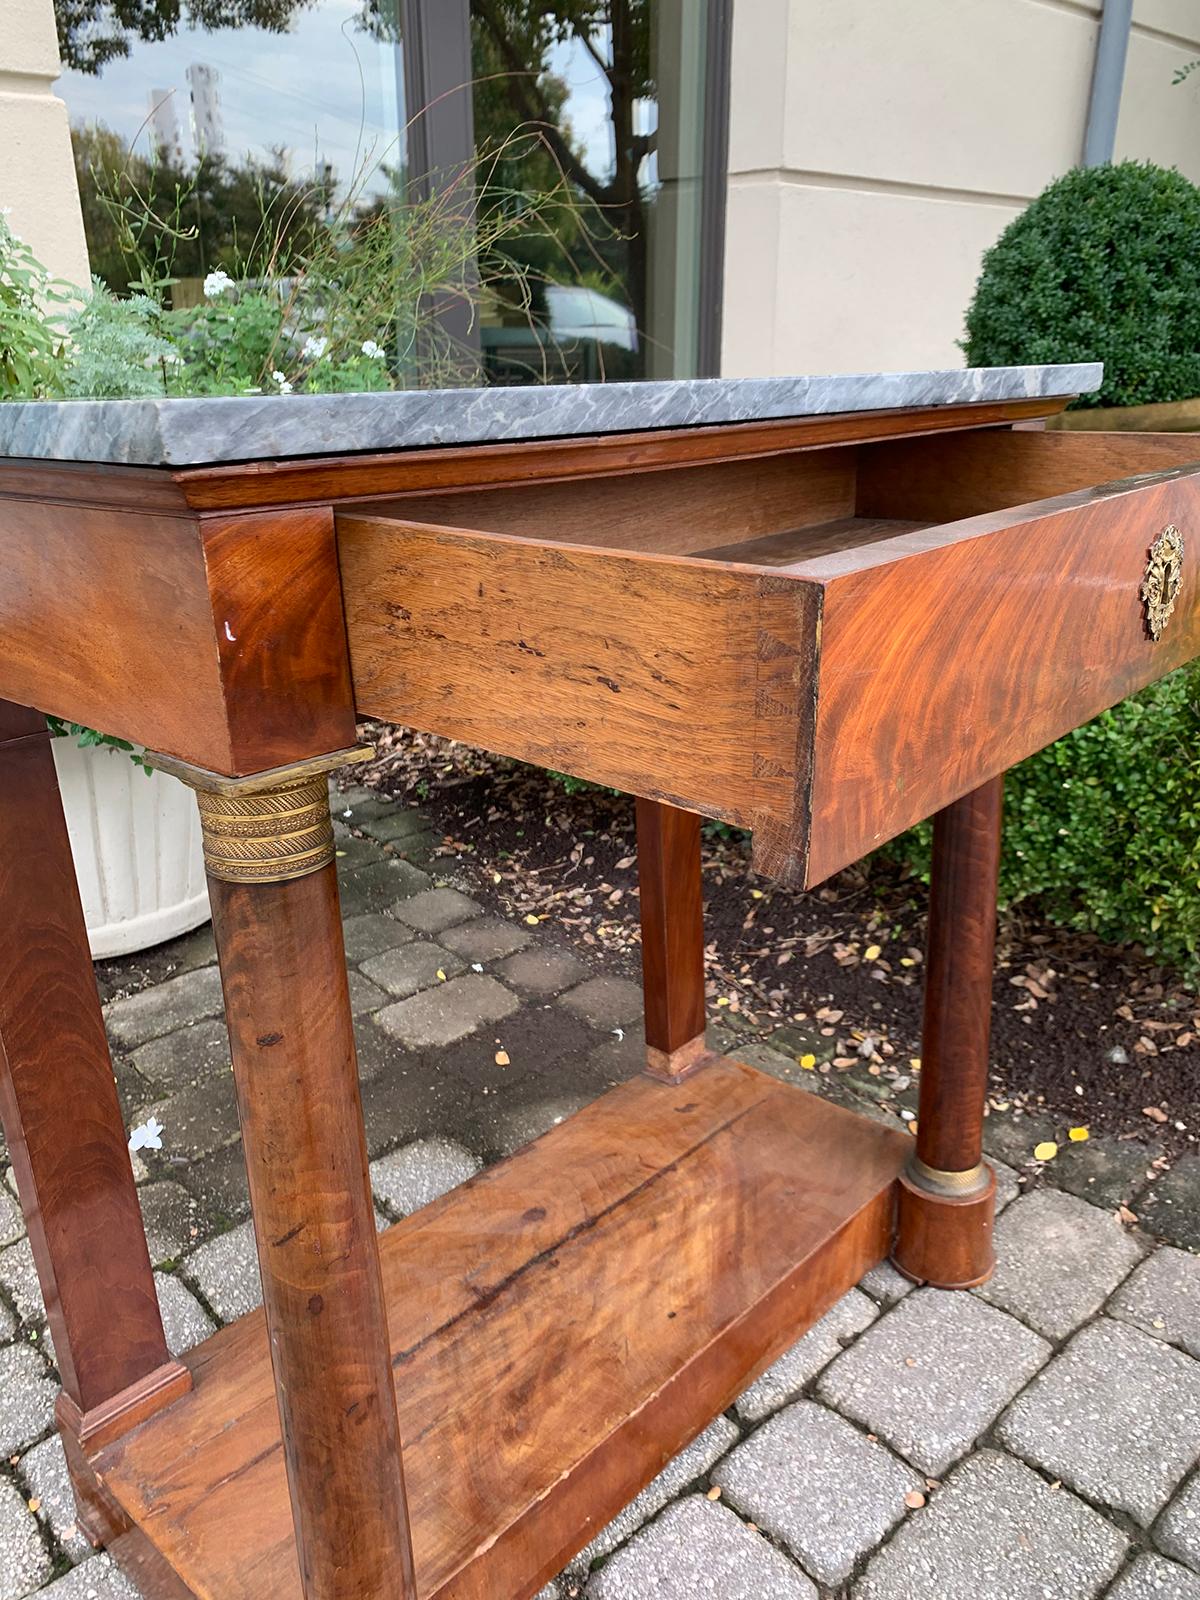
x,y
1083,1035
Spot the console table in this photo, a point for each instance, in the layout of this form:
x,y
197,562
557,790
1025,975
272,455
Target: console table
x,y
821,609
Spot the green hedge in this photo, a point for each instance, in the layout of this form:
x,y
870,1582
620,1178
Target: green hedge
x,y
1103,266
1104,826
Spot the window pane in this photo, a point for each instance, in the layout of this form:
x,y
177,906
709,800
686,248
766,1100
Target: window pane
x,y
272,121
249,136
601,105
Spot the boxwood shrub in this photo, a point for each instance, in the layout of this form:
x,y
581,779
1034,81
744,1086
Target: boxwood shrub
x,y
1103,827
1103,266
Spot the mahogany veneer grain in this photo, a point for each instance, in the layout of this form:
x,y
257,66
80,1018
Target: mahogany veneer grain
x,y
561,1326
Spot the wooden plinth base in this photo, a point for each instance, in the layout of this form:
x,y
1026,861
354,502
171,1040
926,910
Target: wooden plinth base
x,y
561,1327
945,1240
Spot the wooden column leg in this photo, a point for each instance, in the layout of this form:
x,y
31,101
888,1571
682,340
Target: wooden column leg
x,y
269,851
65,1132
672,913
948,1193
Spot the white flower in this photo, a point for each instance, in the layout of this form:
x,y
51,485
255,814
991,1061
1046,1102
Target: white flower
x,y
147,1135
375,351
217,283
314,348
284,386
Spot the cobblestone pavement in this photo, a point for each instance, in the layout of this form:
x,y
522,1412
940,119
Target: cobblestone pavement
x,y
1036,1439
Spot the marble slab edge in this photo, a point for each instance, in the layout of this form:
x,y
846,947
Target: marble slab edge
x,y
224,430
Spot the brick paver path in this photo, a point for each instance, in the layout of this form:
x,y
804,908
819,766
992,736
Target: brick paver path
x,y
1037,1440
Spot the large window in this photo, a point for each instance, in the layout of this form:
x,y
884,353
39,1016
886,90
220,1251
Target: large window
x,y
555,173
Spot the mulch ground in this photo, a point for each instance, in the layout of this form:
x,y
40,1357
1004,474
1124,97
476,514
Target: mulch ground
x,y
1095,1037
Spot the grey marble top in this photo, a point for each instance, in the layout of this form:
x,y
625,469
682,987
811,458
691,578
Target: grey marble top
x,y
180,433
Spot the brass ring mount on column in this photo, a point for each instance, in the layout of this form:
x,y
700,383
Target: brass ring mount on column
x,y
269,827
935,1181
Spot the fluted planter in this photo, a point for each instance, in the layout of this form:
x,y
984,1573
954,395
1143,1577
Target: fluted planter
x,y
136,844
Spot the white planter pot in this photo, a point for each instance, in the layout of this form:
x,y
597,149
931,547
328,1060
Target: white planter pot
x,y
136,844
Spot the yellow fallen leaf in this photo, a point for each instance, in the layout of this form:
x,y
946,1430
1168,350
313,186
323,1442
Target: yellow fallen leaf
x,y
872,952
907,961
722,1000
441,975
1077,1135
807,1061
532,920
1046,1151
35,1504
496,878
501,1058
756,894
915,1063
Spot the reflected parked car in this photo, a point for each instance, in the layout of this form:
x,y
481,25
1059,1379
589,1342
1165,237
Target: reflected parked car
x,y
584,337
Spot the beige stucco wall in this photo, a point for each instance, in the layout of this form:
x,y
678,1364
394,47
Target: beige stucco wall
x,y
876,151
37,174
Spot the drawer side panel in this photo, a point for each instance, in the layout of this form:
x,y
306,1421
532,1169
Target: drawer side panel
x,y
683,681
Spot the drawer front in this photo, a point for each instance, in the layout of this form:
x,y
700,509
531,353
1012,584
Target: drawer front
x,y
827,704
680,680
951,654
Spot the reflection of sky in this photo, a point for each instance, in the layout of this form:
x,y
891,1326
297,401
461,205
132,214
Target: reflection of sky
x,y
324,91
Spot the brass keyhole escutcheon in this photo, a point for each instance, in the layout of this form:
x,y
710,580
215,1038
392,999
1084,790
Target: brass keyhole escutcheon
x,y
1163,579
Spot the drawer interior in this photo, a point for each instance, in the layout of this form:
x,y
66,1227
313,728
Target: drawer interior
x,y
780,511
697,635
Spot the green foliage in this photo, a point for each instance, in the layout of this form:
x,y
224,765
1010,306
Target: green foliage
x,y
88,739
1103,266
147,219
116,349
30,331
290,268
229,344
1103,827
93,32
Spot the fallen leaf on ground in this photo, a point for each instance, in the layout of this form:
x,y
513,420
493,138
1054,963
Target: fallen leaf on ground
x,y
914,1500
1046,1151
1155,1113
1077,1135
502,1058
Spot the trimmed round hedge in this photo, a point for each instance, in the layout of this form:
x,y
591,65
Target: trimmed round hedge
x,y
1102,829
1103,266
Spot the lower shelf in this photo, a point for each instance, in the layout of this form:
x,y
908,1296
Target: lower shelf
x,y
561,1326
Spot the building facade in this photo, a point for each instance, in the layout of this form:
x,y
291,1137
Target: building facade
x,y
877,149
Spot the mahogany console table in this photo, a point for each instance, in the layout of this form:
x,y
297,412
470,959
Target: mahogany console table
x,y
822,609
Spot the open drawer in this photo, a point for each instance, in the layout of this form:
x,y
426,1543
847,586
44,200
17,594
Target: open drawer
x,y
824,646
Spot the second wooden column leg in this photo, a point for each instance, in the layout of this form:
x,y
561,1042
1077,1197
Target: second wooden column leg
x,y
66,1135
269,852
672,913
948,1193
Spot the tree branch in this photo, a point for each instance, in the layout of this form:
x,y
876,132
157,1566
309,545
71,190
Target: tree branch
x,y
522,89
